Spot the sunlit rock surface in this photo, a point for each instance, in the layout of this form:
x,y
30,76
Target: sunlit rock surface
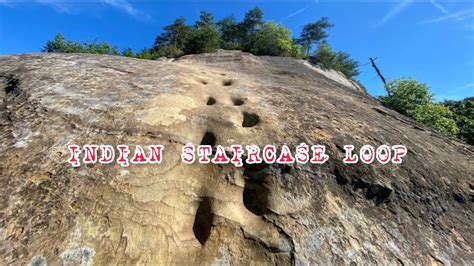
x,y
420,211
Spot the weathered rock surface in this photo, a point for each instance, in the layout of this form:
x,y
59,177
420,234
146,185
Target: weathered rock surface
x,y
418,212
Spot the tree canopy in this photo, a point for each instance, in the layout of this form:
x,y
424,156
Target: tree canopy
x,y
273,39
204,37
339,61
314,33
230,33
60,45
404,95
173,38
436,116
412,98
463,112
252,35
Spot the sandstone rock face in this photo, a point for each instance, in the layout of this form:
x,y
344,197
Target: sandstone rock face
x,y
420,211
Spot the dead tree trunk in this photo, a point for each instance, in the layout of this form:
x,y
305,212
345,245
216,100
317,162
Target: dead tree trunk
x,y
372,60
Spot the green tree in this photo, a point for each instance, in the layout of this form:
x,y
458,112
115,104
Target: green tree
x,y
325,56
173,38
168,51
96,47
205,20
146,53
127,52
252,23
436,116
56,45
274,39
60,45
345,64
339,61
229,32
314,33
412,98
204,36
463,111
404,95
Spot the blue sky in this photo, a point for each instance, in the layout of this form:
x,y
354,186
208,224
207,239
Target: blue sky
x,y
431,41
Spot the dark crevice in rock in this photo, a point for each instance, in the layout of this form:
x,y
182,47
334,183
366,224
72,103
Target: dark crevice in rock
x,y
253,201
227,82
117,69
211,101
285,169
209,139
203,221
250,120
459,198
359,184
256,172
285,245
378,193
238,102
255,194
272,249
11,84
354,179
380,111
340,179
13,100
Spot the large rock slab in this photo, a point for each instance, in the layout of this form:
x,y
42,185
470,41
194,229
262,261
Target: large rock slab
x,y
420,211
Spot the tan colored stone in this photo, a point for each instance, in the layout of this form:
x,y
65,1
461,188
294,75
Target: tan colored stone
x,y
175,213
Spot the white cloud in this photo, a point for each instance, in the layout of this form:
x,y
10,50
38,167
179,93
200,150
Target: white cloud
x,y
128,8
296,12
122,5
467,86
464,17
392,13
69,6
59,6
457,16
299,10
453,92
439,6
